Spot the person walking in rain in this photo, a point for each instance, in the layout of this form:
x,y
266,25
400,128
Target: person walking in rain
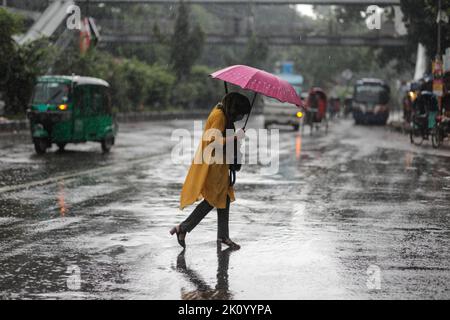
x,y
209,180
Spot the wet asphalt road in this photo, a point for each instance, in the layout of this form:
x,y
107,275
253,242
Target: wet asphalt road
x,y
357,213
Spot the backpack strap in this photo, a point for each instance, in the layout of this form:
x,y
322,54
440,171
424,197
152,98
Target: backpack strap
x,y
230,125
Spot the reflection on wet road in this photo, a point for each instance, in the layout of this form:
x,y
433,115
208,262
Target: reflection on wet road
x,y
342,205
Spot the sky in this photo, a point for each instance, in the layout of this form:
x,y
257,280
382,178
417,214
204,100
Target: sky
x,y
306,9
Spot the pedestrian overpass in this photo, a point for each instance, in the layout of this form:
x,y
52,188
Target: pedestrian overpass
x,y
283,40
254,2
114,32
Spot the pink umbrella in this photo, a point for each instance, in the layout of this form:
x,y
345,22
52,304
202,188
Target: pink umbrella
x,y
258,81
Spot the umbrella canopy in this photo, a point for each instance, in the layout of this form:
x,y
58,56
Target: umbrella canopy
x,y
259,81
318,90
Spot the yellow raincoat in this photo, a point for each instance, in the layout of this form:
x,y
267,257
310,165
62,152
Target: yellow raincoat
x,y
208,181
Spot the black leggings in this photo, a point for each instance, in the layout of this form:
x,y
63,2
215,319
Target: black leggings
x,y
201,211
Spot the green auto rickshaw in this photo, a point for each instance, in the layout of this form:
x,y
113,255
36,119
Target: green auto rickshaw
x,y
71,109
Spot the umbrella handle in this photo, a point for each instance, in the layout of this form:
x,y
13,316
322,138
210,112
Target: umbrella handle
x,y
251,107
226,87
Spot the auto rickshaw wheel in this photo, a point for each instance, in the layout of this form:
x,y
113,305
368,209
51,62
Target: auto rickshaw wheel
x,y
40,145
107,144
61,146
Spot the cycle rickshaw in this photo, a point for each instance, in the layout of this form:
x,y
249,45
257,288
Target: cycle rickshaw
x,y
423,119
315,110
443,123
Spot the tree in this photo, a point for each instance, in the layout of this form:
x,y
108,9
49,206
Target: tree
x,y
134,84
352,19
349,14
186,45
19,66
321,65
28,62
256,52
420,19
9,25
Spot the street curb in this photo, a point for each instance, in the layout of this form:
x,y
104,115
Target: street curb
x,y
14,125
154,116
22,125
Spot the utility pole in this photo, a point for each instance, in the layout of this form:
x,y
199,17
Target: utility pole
x,y
438,53
236,27
437,72
251,19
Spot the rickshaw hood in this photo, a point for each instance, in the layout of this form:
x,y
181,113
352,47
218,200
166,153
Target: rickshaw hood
x,y
44,107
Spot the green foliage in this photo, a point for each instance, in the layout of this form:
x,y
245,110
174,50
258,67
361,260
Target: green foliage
x,y
165,74
19,66
156,52
147,85
321,65
186,44
26,64
135,85
160,82
256,52
183,95
209,90
349,14
115,75
420,19
9,25
199,91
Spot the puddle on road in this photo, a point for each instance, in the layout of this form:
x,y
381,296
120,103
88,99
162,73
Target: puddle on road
x,y
335,208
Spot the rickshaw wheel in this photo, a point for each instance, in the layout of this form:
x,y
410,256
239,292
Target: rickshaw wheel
x,y
40,145
107,144
436,137
413,137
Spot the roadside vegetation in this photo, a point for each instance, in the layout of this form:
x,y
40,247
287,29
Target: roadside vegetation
x,y
172,71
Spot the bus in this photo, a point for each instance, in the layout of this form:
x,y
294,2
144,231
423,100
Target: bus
x,y
370,101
